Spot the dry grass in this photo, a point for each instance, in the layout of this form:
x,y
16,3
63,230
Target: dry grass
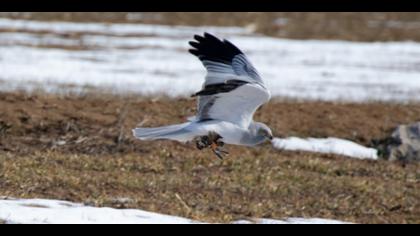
x,y
355,26
80,149
259,183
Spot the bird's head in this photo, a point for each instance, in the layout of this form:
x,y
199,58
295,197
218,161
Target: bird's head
x,y
264,131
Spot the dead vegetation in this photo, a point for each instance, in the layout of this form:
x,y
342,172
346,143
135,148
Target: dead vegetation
x,y
354,26
79,148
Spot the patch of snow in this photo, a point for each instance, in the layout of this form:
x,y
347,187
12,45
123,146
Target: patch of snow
x,y
111,28
41,211
153,59
327,145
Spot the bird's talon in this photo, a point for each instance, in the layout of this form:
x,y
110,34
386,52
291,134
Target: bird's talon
x,y
223,151
218,154
213,142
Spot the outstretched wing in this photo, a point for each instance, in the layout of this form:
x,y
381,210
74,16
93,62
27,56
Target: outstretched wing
x,y
233,90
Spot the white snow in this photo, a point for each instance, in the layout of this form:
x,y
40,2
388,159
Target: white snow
x,y
153,59
111,29
327,145
41,211
38,211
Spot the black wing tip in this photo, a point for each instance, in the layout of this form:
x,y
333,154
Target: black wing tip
x,y
198,37
209,47
194,52
207,34
194,44
210,36
231,45
205,37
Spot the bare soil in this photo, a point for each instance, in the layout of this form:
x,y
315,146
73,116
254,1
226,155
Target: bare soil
x,y
80,148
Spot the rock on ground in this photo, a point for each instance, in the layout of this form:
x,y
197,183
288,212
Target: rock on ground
x,y
404,143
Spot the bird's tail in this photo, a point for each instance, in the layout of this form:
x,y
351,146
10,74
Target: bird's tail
x,y
171,132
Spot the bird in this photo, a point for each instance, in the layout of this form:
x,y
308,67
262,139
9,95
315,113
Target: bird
x,y
232,92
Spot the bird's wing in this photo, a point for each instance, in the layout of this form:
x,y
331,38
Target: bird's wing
x,y
233,89
223,59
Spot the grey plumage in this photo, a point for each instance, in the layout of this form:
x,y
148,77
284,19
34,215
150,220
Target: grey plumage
x,y
233,90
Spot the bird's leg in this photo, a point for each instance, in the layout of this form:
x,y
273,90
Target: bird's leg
x,y
212,140
216,151
206,141
216,145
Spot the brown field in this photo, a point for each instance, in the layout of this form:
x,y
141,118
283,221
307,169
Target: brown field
x,y
354,26
79,148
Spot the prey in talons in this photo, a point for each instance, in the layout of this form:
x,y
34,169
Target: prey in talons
x,y
212,141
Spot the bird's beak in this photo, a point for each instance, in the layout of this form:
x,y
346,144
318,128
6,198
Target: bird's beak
x,y
270,137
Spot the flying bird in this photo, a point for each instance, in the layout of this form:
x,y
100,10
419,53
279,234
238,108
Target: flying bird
x,y
232,92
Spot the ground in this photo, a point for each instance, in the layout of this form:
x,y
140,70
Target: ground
x,y
353,26
79,148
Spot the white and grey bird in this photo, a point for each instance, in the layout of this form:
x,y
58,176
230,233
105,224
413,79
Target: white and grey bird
x,y
232,92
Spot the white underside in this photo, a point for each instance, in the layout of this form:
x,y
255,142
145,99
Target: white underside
x,y
230,133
